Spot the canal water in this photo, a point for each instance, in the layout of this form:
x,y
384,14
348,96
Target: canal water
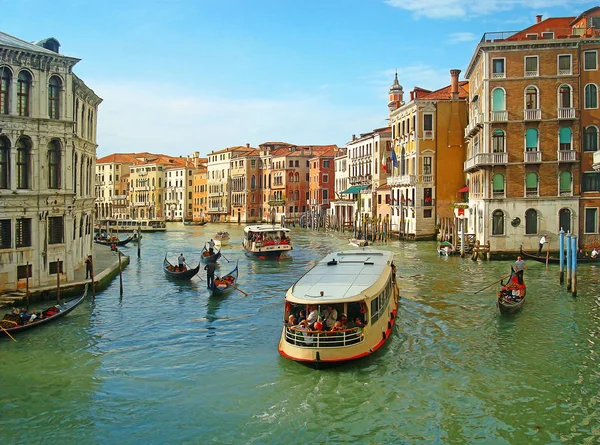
x,y
166,363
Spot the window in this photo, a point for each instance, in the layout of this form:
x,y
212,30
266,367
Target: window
x,y
590,60
55,230
325,178
325,163
498,100
531,98
547,35
531,222
564,181
5,82
531,184
591,220
54,267
498,222
590,139
498,68
564,96
498,141
4,163
24,272
23,232
23,161
428,122
23,92
54,97
564,220
427,213
427,166
531,66
5,234
564,138
498,186
531,139
590,182
325,195
591,96
54,165
531,36
564,64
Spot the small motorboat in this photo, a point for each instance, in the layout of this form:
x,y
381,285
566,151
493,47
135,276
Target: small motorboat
x,y
221,238
446,248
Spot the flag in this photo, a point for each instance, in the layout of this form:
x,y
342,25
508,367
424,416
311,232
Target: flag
x,y
394,159
383,159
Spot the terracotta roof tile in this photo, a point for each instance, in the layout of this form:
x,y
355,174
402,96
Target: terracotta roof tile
x,y
446,92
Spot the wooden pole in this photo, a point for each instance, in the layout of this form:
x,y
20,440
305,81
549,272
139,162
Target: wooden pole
x,y
93,284
120,273
139,240
561,255
27,284
58,270
569,258
574,251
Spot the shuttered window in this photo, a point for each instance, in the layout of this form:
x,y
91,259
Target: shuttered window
x,y
5,235
531,139
23,232
23,272
55,230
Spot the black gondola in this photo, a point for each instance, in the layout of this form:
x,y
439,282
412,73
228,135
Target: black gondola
x,y
507,304
207,257
118,243
172,271
11,322
226,283
556,260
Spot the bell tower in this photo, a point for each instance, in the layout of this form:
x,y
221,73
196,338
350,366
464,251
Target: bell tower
x,y
396,93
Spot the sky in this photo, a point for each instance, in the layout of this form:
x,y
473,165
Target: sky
x,y
184,76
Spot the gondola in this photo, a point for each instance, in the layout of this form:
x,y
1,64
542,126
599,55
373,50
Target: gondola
x,y
117,242
556,260
508,305
11,322
207,257
226,283
171,272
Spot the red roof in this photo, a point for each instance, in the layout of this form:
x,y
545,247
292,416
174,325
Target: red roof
x,y
446,92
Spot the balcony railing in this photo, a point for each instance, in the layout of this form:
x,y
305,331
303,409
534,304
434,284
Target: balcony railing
x,y
531,73
483,159
534,114
531,192
474,125
500,116
596,162
566,113
428,202
498,194
569,156
427,178
532,157
427,134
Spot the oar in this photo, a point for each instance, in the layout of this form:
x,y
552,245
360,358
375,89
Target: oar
x,y
6,332
490,285
235,287
224,257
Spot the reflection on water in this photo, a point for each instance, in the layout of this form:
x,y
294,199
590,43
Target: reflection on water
x,y
183,366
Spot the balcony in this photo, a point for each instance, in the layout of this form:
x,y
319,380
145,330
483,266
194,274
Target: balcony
x,y
534,114
500,116
566,113
402,180
428,202
596,162
485,159
427,134
532,157
569,156
427,178
474,125
532,73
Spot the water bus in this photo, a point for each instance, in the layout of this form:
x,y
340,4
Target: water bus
x,y
359,286
266,240
131,225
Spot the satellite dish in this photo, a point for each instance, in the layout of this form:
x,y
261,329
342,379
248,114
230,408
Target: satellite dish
x,y
515,222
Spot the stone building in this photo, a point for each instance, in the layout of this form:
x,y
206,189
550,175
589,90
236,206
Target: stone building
x,y
48,147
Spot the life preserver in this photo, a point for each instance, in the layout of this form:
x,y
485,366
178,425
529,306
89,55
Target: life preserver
x,y
288,306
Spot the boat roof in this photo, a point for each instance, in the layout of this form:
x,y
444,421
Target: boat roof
x,y
346,278
266,228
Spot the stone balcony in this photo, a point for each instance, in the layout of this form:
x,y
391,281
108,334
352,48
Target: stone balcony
x,y
485,159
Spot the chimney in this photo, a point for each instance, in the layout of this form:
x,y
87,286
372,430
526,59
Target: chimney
x,y
247,145
353,137
412,95
538,18
454,85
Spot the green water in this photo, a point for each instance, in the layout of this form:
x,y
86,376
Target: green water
x,y
166,363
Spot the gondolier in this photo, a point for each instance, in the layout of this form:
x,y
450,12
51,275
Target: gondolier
x,y
210,274
520,266
180,262
543,240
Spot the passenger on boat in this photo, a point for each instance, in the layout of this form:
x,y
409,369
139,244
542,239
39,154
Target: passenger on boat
x,y
301,316
312,316
340,325
292,320
393,272
318,324
594,253
581,254
331,316
511,292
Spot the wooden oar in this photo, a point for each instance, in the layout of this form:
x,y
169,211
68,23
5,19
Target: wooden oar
x,y
6,332
224,257
490,285
235,287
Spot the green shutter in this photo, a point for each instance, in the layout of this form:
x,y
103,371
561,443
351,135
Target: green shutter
x,y
498,182
531,180
565,181
531,139
498,100
565,135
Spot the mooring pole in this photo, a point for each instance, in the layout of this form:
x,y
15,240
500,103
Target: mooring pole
x,y
58,269
569,259
139,240
574,251
561,255
120,273
27,284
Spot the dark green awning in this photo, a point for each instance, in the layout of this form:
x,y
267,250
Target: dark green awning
x,y
354,189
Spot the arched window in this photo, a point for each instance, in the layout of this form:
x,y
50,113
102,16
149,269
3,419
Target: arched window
x,y
498,186
531,139
564,137
531,98
498,100
4,163
54,165
590,139
253,182
565,181
23,163
531,184
23,93
564,96
564,219
5,82
498,222
54,97
498,141
591,96
531,222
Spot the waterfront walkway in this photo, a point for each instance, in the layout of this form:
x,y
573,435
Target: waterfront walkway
x,y
106,267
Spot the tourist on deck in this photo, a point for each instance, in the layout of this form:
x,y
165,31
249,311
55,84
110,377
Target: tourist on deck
x,y
340,325
312,316
330,317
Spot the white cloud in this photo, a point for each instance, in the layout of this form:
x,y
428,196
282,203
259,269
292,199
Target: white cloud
x,y
149,117
459,37
452,9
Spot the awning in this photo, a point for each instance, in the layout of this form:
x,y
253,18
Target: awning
x,y
465,189
354,189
